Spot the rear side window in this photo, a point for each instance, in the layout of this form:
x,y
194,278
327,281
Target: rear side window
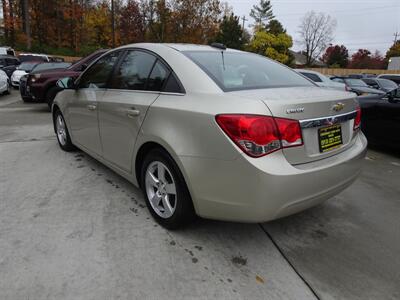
x,y
172,85
133,71
240,70
157,77
312,76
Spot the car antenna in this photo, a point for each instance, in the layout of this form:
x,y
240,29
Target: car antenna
x,y
222,47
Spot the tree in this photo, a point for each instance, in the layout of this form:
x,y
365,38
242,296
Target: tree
x,y
336,55
275,27
273,46
131,23
316,31
262,13
230,32
394,50
363,59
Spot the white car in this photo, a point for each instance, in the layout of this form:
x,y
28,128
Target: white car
x,y
22,69
322,80
4,83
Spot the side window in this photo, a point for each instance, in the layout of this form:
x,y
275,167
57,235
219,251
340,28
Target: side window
x,y
172,85
98,74
338,80
157,78
133,71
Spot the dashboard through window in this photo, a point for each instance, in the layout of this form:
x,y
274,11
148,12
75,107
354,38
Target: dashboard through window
x,y
240,70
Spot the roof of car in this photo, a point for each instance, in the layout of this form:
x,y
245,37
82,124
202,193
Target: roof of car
x,y
397,75
7,56
181,47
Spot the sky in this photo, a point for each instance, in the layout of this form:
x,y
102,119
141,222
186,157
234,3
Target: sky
x,y
368,24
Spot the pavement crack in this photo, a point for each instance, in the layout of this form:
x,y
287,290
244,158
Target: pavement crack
x,y
27,140
289,262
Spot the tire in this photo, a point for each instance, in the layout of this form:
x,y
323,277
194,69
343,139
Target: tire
x,y
62,134
168,189
27,99
50,95
8,91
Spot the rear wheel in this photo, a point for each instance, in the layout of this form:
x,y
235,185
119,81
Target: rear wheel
x,y
167,196
63,137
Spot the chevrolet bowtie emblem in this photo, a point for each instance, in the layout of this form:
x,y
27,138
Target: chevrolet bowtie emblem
x,y
338,106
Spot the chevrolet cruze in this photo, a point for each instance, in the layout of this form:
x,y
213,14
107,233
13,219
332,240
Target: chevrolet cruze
x,y
214,132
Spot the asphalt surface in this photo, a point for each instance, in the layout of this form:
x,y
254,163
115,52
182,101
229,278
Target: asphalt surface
x,y
72,229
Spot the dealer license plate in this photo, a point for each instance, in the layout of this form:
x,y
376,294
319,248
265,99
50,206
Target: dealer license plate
x,y
330,138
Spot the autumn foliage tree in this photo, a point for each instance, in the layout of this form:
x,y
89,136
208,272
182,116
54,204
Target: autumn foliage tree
x,y
336,56
363,59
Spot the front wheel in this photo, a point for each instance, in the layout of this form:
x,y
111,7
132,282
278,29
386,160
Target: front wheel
x,y
63,137
167,196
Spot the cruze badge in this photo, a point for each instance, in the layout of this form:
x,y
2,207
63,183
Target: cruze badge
x,y
338,106
295,110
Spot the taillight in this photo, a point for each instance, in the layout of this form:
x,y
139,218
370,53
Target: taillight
x,y
357,119
260,135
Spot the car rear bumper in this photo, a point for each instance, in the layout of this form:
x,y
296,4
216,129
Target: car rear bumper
x,y
262,189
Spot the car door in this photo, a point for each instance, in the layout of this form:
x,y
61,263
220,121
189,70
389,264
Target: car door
x,y
136,84
83,113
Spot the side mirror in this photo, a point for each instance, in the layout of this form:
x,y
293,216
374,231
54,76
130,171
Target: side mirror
x,y
66,83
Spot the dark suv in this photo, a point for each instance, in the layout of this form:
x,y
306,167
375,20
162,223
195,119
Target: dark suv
x,y
8,64
40,86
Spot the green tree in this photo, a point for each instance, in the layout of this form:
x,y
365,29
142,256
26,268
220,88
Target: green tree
x,y
273,46
230,32
262,13
275,27
394,50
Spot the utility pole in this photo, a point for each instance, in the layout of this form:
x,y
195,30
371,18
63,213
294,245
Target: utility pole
x,y
244,20
112,23
395,36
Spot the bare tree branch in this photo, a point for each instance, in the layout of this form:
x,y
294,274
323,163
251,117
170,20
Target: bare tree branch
x,y
316,31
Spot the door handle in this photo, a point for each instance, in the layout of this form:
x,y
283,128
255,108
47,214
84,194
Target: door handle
x,y
91,107
132,113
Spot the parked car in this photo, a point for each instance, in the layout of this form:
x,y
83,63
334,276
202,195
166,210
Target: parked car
x,y
56,59
392,77
5,86
7,51
23,69
322,80
384,85
40,85
361,76
357,86
38,69
9,64
211,131
27,57
380,119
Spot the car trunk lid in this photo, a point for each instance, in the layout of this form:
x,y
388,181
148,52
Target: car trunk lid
x,y
326,117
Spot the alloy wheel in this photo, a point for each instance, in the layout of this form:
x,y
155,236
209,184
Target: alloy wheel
x,y
161,189
61,130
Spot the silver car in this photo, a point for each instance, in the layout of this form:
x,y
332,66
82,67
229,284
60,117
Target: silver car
x,y
322,80
213,132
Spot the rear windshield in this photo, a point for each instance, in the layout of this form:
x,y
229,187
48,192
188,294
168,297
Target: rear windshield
x,y
355,82
241,71
387,84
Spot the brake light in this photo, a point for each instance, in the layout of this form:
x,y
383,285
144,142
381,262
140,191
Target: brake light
x,y
260,135
357,119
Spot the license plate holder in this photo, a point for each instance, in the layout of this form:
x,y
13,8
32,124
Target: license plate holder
x,y
330,138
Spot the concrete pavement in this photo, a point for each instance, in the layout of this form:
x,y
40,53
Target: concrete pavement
x,y
72,229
